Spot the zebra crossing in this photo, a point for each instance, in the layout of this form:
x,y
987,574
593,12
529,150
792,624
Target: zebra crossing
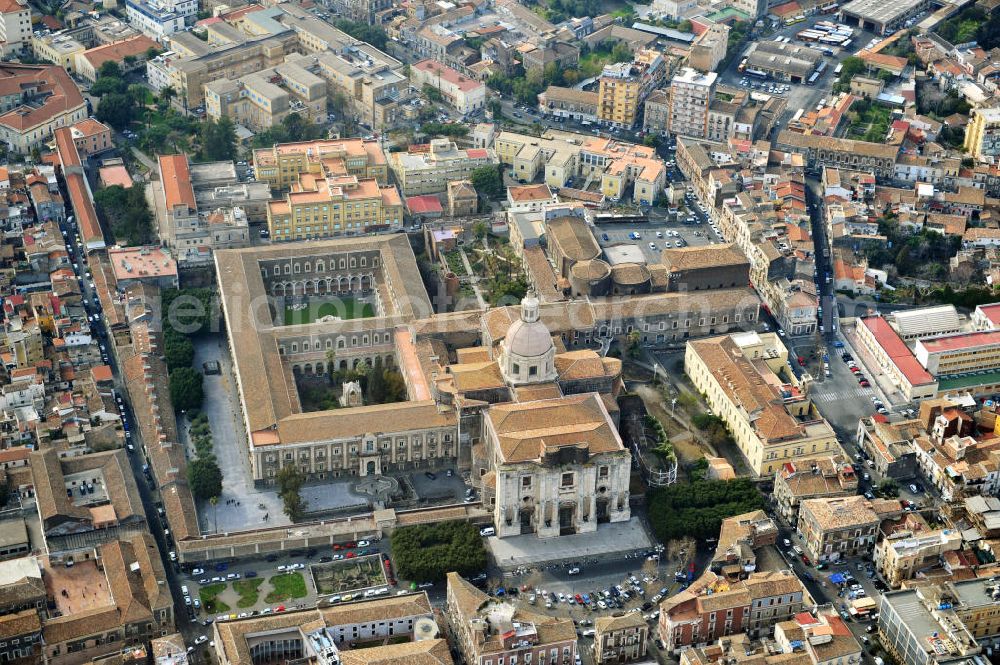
x,y
849,394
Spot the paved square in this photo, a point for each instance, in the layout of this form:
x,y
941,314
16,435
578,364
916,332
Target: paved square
x,y
608,542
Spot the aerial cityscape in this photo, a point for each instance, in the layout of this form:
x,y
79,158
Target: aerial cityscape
x,y
500,332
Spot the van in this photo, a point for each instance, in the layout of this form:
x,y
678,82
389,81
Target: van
x,y
797,550
488,531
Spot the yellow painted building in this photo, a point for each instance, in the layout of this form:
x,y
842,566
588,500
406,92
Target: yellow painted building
x,y
746,381
334,205
982,136
281,165
59,49
562,156
622,87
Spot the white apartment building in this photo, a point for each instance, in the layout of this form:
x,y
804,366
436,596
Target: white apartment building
x,y
691,94
159,18
15,26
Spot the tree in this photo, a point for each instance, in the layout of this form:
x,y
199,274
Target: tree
x,y
108,85
634,338
696,509
152,52
488,181
218,140
126,213
372,34
186,390
376,383
129,60
111,69
479,230
428,552
290,481
204,477
115,109
177,349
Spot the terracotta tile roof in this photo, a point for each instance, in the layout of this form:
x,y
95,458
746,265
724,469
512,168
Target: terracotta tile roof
x,y
176,179
62,94
528,431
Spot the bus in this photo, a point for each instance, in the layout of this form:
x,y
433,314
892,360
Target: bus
x,y
798,115
792,20
812,79
821,67
846,45
757,73
840,68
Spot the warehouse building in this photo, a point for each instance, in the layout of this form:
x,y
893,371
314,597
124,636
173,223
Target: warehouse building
x,y
881,16
785,62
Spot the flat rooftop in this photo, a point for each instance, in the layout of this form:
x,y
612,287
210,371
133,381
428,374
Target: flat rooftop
x,y
79,588
881,11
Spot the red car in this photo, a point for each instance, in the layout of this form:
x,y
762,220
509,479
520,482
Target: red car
x,y
855,370
336,546
351,555
802,361
279,608
865,384
806,560
579,598
350,545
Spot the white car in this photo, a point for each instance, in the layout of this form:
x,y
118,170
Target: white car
x,y
363,543
201,639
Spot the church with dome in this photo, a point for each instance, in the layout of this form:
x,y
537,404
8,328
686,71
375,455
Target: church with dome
x,y
547,457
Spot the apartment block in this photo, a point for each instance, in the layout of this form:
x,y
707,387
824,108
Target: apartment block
x,y
568,103
691,94
489,631
374,83
130,54
744,375
709,48
713,607
560,157
812,478
263,99
15,27
280,166
160,18
901,555
428,168
837,528
623,87
982,135
620,639
919,627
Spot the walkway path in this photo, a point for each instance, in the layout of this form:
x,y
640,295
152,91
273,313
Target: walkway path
x,y
473,278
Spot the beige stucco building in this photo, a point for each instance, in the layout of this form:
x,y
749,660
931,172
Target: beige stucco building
x,y
747,382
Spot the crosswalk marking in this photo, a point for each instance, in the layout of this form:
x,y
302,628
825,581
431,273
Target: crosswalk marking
x,y
841,394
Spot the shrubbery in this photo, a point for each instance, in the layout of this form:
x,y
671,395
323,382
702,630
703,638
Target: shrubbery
x,y
697,509
428,552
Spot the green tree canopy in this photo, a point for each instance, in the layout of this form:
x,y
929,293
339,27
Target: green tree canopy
x,y
488,181
204,477
697,509
218,140
290,481
177,348
110,69
428,552
126,213
186,390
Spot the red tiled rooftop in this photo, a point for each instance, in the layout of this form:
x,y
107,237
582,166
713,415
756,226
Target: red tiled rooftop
x,y
898,352
445,72
426,203
962,341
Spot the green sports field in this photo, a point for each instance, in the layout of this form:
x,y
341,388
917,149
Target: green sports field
x,y
345,308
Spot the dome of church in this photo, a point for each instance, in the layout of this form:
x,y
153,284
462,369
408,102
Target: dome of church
x,y
528,340
528,337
